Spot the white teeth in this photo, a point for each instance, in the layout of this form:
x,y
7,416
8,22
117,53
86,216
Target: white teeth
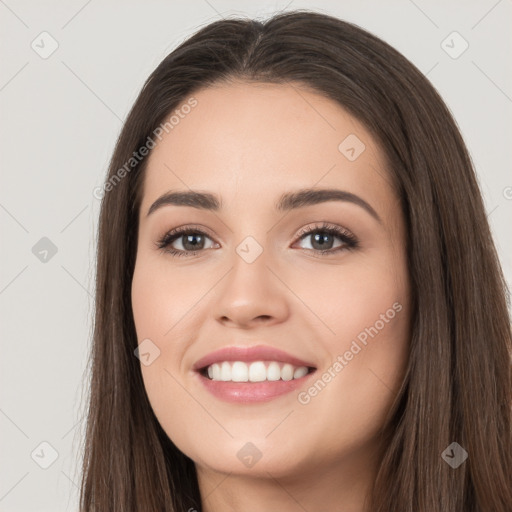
x,y
273,371
239,372
287,372
300,372
225,371
256,371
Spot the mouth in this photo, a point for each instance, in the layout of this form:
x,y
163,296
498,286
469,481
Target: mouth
x,y
254,372
251,374
239,382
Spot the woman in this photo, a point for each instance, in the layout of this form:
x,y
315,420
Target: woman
x,y
299,305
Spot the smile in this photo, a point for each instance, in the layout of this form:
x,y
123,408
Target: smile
x,y
257,371
251,374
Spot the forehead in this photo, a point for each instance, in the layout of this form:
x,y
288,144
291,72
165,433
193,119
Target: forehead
x,y
251,141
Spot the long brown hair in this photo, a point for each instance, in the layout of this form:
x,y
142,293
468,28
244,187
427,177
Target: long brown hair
x,y
458,383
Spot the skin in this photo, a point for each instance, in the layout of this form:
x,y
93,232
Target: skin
x,y
249,143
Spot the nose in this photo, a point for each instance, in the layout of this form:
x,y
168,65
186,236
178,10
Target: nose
x,y
251,295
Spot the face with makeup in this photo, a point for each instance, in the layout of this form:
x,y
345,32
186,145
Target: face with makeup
x,y
258,261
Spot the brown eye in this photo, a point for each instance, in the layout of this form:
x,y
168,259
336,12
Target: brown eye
x,y
190,240
323,238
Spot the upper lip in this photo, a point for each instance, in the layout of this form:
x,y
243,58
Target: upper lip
x,y
248,354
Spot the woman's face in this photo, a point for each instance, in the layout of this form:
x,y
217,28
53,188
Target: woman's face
x,y
249,275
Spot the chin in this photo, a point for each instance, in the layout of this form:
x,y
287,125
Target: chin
x,y
254,457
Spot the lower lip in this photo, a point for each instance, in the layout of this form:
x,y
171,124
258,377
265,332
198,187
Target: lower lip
x,y
247,392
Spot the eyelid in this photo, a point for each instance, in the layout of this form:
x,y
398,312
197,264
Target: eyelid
x,y
185,228
324,226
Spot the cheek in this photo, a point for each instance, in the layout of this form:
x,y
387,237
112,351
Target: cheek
x,y
364,312
157,309
346,300
163,298
354,391
163,308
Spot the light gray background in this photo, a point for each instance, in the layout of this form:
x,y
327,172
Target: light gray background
x,y
60,119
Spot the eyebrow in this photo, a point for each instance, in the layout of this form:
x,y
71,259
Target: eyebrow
x,y
288,201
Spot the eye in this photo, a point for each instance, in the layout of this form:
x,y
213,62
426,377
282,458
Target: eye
x,y
192,240
324,236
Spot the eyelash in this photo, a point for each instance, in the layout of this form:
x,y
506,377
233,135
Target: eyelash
x,y
349,240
